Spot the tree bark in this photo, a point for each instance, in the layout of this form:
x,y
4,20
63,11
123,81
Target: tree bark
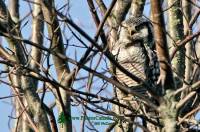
x,y
175,26
22,121
26,83
137,7
167,101
61,66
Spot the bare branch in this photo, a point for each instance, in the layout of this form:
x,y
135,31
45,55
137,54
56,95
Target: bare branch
x,y
37,37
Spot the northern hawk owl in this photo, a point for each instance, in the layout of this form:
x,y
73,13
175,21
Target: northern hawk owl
x,y
135,51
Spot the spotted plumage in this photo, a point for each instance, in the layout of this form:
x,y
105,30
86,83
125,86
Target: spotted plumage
x,y
135,51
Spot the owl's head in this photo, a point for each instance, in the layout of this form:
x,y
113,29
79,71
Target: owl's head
x,y
136,30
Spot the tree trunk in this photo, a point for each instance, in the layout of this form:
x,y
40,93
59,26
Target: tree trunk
x,y
167,108
175,26
62,69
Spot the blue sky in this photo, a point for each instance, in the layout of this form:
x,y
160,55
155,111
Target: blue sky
x,y
80,14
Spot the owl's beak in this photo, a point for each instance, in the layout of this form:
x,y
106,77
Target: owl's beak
x,y
132,31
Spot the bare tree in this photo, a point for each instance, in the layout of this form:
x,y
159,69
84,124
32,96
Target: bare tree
x,y
82,73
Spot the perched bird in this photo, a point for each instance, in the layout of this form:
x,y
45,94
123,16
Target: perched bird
x,y
135,51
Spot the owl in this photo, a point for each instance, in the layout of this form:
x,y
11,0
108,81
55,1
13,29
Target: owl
x,y
135,51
